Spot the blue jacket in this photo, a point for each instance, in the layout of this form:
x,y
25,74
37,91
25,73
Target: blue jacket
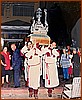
x,y
16,59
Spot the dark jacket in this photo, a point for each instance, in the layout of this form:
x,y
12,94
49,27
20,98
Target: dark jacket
x,y
16,59
76,65
76,59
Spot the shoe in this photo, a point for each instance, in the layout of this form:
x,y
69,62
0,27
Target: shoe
x,y
36,96
16,86
8,84
49,94
30,95
30,92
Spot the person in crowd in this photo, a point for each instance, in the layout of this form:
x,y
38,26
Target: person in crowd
x,y
5,62
51,72
24,52
2,69
65,63
70,69
76,63
16,65
79,53
34,64
69,49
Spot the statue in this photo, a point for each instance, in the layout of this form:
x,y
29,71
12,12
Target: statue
x,y
37,26
38,30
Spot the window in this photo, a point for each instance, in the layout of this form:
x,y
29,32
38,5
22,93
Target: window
x,y
23,9
2,9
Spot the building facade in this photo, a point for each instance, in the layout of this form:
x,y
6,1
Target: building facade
x,y
22,12
16,20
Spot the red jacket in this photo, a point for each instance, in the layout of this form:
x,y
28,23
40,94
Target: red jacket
x,y
7,60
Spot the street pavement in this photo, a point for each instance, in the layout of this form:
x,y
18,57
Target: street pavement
x,y
22,93
9,92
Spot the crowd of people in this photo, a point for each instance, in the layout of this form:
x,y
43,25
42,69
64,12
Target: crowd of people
x,y
40,61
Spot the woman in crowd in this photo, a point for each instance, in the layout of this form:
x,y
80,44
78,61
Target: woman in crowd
x,y
5,62
70,69
65,63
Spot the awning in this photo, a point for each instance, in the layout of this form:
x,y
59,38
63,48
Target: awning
x,y
15,27
13,40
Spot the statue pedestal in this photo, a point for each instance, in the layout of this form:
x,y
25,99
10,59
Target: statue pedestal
x,y
40,38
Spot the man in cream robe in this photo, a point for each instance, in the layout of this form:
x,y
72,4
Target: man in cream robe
x,y
34,64
51,72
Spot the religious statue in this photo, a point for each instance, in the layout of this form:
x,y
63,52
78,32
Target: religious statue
x,y
38,30
37,27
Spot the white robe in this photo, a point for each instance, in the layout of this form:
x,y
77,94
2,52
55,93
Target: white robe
x,y
34,68
52,79
43,60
